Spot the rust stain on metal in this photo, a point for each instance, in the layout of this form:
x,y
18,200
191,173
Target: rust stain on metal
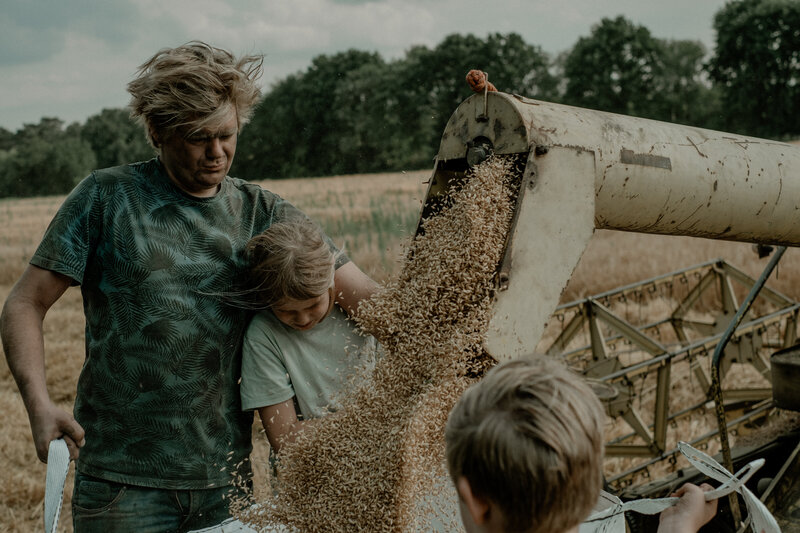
x,y
693,213
645,160
696,147
498,129
743,143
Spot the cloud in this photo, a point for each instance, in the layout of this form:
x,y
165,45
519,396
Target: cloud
x,y
316,27
71,58
290,31
37,31
355,2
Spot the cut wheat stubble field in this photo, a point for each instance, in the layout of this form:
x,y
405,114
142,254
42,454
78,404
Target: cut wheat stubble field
x,y
373,218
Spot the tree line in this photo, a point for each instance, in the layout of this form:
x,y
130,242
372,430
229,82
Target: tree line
x,y
355,112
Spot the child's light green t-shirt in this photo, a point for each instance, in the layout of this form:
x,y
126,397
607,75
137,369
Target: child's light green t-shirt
x,y
279,362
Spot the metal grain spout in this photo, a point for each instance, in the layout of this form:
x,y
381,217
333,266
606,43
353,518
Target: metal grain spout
x,y
587,169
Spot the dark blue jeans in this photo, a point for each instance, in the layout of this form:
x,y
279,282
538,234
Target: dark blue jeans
x,y
100,506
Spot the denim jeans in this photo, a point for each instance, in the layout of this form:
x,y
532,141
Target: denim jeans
x,y
101,506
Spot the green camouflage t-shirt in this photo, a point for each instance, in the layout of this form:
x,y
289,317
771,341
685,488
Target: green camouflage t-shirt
x,y
158,395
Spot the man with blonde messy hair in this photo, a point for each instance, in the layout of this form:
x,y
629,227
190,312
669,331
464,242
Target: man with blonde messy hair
x,y
158,434
194,86
524,448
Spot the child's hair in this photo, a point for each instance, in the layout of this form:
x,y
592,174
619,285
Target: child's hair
x,y
529,438
289,260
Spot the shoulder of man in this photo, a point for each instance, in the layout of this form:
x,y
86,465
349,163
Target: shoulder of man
x,y
249,187
265,200
105,176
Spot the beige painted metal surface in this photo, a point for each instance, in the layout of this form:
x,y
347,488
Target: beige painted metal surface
x,y
554,225
651,176
589,169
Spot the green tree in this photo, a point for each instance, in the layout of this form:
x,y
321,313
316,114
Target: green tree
x,y
353,112
682,92
756,63
521,68
614,69
47,159
317,148
385,115
369,128
395,113
438,77
115,138
265,146
6,140
293,131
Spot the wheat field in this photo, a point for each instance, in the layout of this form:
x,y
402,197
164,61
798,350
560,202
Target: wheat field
x,y
372,217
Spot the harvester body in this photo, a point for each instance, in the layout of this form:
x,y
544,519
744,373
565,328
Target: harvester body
x,y
584,170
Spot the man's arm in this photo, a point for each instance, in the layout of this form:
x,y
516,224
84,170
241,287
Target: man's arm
x,y
23,342
352,286
281,423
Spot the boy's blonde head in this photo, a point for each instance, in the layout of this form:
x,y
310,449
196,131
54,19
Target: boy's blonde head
x,y
193,86
529,438
289,260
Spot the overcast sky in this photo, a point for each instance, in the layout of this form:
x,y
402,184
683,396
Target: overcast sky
x,y
72,58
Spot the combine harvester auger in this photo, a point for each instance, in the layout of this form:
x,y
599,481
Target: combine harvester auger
x,y
583,170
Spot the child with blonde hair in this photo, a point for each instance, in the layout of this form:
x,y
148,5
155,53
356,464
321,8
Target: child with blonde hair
x,y
524,449
301,349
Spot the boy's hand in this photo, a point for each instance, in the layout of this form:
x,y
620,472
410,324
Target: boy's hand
x,y
690,513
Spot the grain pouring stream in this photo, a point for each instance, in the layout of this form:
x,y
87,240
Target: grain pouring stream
x,y
363,467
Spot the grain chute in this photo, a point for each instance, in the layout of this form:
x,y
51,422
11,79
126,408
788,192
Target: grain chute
x,y
585,170
588,169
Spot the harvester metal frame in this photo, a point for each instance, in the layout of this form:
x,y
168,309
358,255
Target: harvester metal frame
x,y
598,330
